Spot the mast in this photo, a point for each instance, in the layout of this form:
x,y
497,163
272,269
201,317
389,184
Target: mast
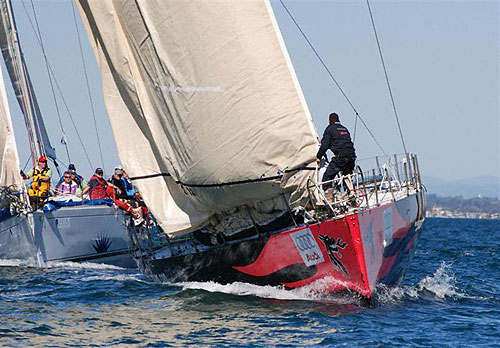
x,y
21,82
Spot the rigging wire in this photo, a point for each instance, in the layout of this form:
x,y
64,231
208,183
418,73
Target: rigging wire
x,y
386,76
60,91
24,168
32,101
332,77
87,82
355,129
50,78
8,27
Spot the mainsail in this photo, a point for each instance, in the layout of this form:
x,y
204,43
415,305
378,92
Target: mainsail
x,y
205,107
9,161
21,82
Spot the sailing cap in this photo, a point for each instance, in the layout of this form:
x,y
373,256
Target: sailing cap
x,y
42,159
119,170
99,171
71,167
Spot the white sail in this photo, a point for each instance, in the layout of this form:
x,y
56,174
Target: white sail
x,y
9,160
204,104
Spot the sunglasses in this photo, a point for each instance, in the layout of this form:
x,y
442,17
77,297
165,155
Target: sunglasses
x,y
67,177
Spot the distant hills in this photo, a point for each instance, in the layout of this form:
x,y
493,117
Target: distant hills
x,y
484,186
456,205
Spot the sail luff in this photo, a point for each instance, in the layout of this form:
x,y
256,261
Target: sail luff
x,y
289,63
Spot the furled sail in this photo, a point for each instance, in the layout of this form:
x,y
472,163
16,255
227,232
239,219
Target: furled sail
x,y
9,161
21,82
205,107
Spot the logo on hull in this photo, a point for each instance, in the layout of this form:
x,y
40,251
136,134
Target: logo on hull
x,y
333,247
307,247
101,243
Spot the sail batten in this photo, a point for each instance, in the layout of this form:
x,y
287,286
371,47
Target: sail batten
x,y
203,91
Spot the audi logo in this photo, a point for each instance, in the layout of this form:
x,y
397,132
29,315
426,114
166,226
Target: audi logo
x,y
304,242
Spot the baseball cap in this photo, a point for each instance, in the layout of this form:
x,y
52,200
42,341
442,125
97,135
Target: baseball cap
x,y
99,171
71,167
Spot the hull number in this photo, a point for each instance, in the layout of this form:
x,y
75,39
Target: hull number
x,y
63,223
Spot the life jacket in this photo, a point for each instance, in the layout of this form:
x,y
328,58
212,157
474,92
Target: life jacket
x,y
39,187
67,188
98,190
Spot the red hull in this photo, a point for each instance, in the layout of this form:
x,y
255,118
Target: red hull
x,y
352,253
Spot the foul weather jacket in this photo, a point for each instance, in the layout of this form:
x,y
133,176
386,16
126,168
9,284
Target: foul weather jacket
x,y
338,139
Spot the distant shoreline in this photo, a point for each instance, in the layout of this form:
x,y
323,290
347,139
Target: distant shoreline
x,y
461,217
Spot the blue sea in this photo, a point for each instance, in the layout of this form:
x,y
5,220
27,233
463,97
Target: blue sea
x,y
450,298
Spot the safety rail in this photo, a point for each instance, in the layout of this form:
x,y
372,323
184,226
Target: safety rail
x,y
398,177
394,180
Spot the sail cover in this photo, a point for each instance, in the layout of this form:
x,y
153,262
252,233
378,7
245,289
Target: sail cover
x,y
9,161
204,104
21,82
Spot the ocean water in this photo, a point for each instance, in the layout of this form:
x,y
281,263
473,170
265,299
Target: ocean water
x,y
450,298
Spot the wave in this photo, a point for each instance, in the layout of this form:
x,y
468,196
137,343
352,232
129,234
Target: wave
x,y
32,263
441,285
19,263
118,277
316,291
81,265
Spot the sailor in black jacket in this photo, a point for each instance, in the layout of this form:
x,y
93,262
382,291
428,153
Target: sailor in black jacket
x,y
338,139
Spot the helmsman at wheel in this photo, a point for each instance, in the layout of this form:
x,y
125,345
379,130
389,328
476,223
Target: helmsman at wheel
x,y
338,139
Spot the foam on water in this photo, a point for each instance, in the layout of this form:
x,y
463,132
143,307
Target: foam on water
x,y
117,277
316,291
53,264
81,265
440,285
19,263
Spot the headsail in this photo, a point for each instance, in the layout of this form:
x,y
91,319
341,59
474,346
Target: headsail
x,y
204,105
9,161
21,82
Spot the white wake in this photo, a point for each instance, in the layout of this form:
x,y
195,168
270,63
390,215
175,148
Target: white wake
x,y
316,291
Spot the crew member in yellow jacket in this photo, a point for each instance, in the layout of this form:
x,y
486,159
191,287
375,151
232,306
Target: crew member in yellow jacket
x,y
40,187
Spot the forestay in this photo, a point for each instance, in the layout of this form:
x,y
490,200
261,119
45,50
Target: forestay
x,y
205,106
9,161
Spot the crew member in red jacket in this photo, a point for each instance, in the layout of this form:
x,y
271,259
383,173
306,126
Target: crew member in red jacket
x,y
97,186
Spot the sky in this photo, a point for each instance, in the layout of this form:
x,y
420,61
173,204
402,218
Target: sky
x,y
442,59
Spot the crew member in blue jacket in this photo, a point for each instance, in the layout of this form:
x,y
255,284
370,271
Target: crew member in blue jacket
x,y
338,139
